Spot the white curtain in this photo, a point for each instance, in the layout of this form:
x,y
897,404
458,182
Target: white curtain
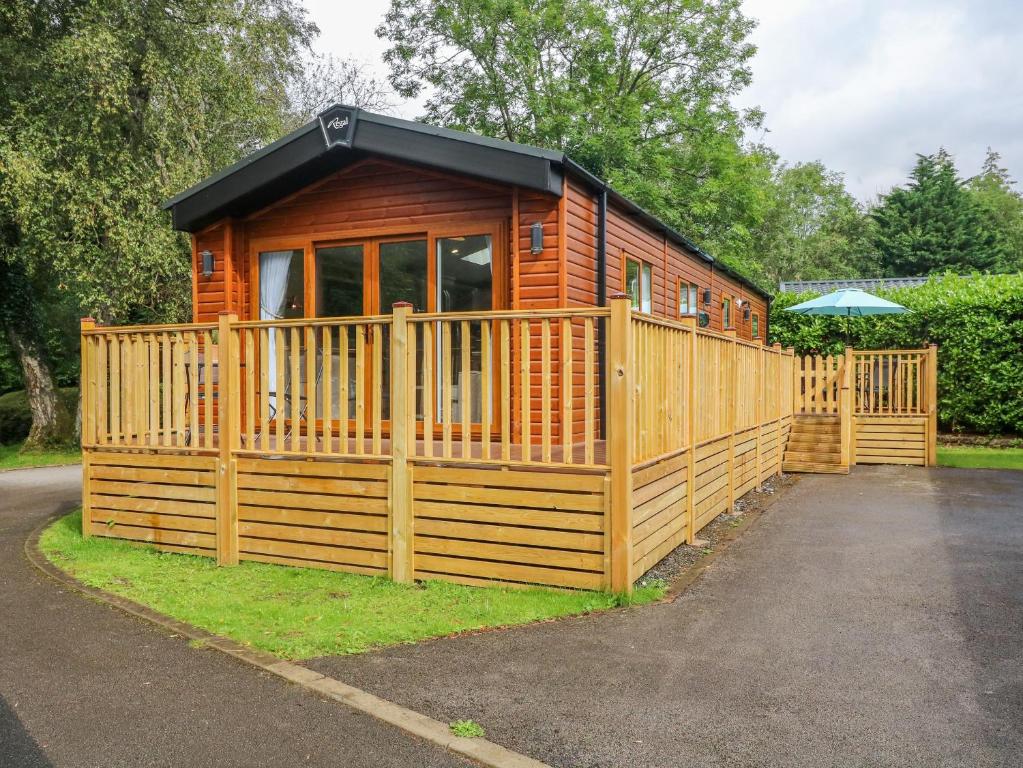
x,y
274,267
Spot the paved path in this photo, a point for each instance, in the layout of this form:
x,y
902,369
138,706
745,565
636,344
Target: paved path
x,y
868,620
82,684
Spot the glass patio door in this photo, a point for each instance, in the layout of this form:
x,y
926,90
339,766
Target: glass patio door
x,y
465,282
367,278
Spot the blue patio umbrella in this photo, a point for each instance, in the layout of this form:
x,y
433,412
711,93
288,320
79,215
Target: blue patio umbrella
x,y
848,302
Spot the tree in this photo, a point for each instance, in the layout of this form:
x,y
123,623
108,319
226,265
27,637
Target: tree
x,y
813,228
107,108
638,91
1002,205
934,224
327,80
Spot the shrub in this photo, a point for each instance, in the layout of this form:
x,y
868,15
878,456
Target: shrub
x,y
16,418
977,323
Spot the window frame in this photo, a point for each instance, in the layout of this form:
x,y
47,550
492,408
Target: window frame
x,y
727,305
755,325
691,292
643,267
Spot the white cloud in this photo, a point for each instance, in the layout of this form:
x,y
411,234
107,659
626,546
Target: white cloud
x,y
863,86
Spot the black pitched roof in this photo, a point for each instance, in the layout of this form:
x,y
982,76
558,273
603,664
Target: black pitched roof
x,y
309,153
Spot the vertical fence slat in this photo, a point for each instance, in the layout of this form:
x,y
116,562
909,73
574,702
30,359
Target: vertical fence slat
x,y
465,387
378,387
588,391
446,415
327,364
293,387
249,362
429,393
565,376
102,390
360,389
280,402
310,389
486,395
505,401
115,390
525,394
154,389
264,388
545,390
343,394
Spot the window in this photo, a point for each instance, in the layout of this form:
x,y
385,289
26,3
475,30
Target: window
x,y
688,298
281,284
639,285
756,326
726,312
339,280
465,279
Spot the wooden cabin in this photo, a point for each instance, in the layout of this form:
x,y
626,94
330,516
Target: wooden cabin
x,y
377,210
430,355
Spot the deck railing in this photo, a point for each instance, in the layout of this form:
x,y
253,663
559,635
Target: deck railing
x,y
370,443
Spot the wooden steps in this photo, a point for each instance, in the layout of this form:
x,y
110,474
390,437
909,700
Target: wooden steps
x,y
814,445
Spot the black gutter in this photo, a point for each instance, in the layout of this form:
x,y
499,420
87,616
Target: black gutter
x,y
602,302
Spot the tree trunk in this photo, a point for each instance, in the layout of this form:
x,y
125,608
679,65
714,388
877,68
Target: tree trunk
x,y
51,422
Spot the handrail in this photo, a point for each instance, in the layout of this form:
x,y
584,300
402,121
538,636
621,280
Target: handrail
x,y
101,330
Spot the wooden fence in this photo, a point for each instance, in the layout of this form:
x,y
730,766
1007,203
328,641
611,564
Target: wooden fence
x,y
885,402
476,447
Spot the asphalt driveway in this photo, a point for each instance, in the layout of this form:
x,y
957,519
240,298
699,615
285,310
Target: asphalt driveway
x,y
868,620
83,684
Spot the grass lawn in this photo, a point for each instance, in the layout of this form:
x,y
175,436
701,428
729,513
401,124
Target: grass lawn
x,y
978,457
298,613
12,458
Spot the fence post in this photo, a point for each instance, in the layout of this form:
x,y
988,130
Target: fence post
x,y
845,408
401,474
760,380
690,322
228,430
87,387
620,428
932,405
850,380
779,406
731,400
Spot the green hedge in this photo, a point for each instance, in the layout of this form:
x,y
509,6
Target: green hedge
x,y
977,323
16,418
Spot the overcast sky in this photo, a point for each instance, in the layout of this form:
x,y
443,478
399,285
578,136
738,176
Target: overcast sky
x,y
862,85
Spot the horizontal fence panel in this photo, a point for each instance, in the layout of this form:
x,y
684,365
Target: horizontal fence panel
x,y
501,525
313,513
144,498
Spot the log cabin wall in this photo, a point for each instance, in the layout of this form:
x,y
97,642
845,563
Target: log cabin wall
x,y
629,238
380,197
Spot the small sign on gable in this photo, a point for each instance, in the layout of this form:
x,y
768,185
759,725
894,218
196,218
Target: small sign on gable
x,y
338,124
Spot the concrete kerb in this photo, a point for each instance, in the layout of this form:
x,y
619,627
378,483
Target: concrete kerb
x,y
433,731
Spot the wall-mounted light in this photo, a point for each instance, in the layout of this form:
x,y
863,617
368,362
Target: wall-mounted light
x,y
207,263
706,296
745,310
536,238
